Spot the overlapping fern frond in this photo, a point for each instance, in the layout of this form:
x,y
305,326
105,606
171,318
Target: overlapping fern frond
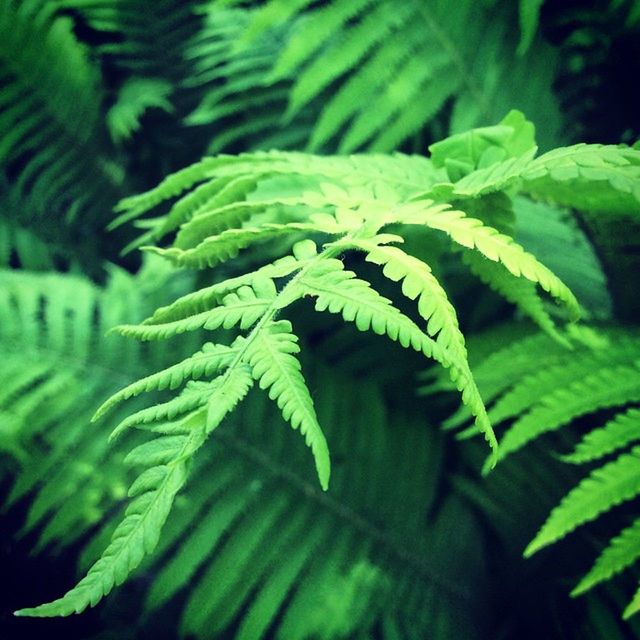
x,y
253,544
536,388
383,71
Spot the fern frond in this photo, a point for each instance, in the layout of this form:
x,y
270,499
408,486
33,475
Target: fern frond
x,y
616,434
472,234
345,49
321,208
593,178
609,387
332,196
622,552
555,388
274,367
339,291
138,533
604,488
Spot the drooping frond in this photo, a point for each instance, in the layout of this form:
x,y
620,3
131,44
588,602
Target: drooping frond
x,y
339,291
137,535
275,367
473,234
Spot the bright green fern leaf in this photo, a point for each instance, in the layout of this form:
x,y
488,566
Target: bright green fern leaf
x,y
622,552
605,488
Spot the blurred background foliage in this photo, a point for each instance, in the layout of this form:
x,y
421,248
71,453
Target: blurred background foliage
x,y
103,98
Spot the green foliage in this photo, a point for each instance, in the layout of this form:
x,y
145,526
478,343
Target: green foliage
x,y
552,390
381,71
251,501
225,529
56,362
237,202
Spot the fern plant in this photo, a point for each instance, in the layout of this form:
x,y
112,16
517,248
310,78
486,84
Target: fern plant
x,y
355,204
104,97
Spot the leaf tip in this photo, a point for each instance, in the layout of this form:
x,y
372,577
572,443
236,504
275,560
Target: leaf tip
x,y
531,548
